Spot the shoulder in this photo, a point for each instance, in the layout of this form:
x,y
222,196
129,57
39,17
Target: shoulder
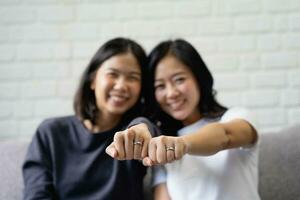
x,y
236,112
55,124
239,113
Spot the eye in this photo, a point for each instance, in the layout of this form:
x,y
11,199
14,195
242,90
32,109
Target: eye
x,y
134,78
112,74
159,86
179,80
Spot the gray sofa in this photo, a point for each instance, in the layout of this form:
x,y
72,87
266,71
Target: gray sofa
x,y
279,166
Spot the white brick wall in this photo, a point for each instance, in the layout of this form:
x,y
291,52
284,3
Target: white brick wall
x,y
251,46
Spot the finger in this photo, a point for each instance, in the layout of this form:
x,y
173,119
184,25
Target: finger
x,y
119,145
145,148
129,137
111,150
179,151
161,152
147,162
152,150
170,150
137,147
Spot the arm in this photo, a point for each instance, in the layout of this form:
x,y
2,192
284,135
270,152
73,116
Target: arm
x,y
215,137
206,141
159,178
161,192
37,173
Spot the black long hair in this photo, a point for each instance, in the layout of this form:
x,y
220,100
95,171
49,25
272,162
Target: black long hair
x,y
188,55
85,101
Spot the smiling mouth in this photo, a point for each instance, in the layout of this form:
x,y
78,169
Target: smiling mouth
x,y
176,105
118,99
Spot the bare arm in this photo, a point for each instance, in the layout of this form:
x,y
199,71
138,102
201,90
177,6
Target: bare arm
x,y
206,141
215,137
161,192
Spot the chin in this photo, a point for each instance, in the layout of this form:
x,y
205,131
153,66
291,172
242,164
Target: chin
x,y
179,117
119,111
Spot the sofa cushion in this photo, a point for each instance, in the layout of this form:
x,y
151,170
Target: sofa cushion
x,y
279,165
12,154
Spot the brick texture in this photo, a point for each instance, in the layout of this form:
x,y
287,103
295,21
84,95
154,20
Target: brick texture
x,y
252,47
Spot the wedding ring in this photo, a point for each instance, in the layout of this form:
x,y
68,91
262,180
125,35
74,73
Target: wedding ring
x,y
170,149
137,143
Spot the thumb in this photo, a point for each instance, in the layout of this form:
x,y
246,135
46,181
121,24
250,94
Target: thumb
x,y
147,162
111,150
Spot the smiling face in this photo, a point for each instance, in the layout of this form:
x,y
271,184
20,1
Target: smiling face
x,y
176,90
117,85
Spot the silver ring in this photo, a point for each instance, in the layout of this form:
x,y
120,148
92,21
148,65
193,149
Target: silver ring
x,y
170,149
137,143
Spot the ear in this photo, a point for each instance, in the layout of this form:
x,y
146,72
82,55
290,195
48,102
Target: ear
x,y
92,85
93,80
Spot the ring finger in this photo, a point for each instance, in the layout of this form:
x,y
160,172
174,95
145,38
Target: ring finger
x,y
137,147
170,149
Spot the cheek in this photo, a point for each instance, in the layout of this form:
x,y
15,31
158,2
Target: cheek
x,y
136,89
185,88
192,91
189,88
100,85
159,96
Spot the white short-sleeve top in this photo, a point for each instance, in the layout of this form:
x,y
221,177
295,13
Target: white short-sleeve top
x,y
227,175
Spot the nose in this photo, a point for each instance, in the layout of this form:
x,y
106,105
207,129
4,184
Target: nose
x,y
120,84
172,92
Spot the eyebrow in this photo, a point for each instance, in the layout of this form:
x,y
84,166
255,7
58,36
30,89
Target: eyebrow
x,y
130,72
173,75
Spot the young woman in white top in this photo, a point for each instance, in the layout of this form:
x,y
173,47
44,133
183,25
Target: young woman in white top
x,y
210,152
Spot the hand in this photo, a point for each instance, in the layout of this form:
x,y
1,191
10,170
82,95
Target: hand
x,y
131,143
165,149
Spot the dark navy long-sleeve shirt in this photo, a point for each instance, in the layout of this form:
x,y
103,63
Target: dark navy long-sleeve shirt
x,y
65,161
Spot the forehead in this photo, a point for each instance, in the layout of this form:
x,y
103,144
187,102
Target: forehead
x,y
126,62
169,66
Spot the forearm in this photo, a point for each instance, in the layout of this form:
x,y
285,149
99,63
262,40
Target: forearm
x,y
36,169
206,141
37,178
215,137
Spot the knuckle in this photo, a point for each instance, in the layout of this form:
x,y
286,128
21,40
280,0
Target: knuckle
x,y
152,142
117,135
161,139
130,134
147,137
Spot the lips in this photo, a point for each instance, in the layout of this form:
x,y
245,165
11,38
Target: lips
x,y
176,105
118,99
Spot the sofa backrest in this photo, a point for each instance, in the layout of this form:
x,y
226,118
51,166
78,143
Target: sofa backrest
x,y
279,165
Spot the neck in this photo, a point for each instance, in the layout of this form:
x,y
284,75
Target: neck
x,y
192,119
103,123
